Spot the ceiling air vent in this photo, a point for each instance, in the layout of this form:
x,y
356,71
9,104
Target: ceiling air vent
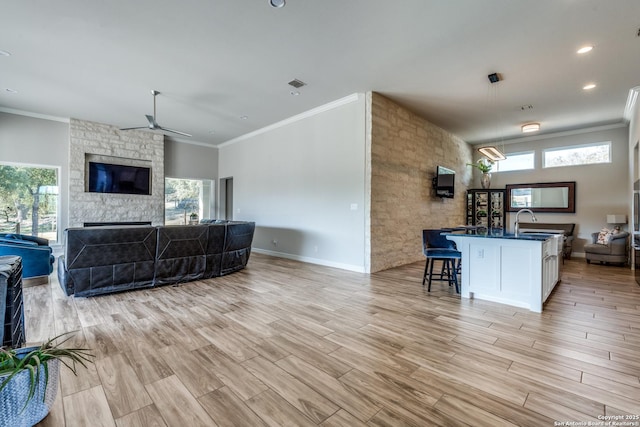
x,y
297,83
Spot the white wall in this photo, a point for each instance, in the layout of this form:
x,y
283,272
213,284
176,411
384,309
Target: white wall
x,y
39,142
187,160
601,189
634,154
303,183
190,161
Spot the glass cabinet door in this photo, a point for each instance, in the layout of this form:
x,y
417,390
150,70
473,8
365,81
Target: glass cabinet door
x,y
486,208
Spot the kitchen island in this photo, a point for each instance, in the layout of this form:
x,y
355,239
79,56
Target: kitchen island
x,y
520,271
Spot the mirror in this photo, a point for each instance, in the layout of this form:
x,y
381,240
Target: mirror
x,y
543,197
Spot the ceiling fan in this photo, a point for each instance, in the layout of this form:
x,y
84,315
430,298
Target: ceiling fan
x,y
152,120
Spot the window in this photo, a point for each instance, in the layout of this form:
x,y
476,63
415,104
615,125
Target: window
x,y
183,197
29,200
516,162
587,154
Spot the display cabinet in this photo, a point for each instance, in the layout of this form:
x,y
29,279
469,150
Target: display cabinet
x,y
486,208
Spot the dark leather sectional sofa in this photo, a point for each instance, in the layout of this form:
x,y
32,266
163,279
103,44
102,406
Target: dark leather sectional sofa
x,y
566,228
102,260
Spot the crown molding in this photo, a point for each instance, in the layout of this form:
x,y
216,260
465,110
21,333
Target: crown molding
x,y
530,138
326,107
34,115
188,141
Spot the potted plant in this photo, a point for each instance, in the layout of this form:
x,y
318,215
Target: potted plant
x,y
29,379
484,166
193,218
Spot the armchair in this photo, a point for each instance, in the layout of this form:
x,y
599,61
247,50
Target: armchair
x,y
617,250
37,258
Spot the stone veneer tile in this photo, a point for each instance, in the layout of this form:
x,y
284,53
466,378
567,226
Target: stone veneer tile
x,y
130,147
405,150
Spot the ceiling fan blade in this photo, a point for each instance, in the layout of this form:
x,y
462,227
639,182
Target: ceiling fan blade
x,y
138,127
152,120
174,131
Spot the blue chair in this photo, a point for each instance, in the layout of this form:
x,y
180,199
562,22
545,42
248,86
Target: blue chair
x,y
37,257
437,247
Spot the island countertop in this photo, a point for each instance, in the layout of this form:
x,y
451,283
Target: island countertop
x,y
540,237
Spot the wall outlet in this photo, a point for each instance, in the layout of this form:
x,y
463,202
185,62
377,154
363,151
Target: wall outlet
x,y
274,242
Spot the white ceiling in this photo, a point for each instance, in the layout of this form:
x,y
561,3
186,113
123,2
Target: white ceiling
x,y
217,60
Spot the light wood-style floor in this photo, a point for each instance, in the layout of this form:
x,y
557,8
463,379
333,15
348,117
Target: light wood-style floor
x,y
284,343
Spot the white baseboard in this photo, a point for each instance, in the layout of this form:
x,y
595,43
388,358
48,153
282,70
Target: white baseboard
x,y
350,267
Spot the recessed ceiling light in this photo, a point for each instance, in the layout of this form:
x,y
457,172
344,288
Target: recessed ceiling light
x,y
11,90
585,49
4,53
589,86
530,127
277,3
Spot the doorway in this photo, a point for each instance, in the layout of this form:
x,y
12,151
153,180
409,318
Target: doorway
x,y
226,198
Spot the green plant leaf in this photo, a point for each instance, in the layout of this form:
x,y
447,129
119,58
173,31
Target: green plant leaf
x,y
35,362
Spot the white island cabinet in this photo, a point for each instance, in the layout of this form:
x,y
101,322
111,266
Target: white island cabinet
x,y
520,271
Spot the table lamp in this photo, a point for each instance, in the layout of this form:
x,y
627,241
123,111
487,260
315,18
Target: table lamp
x,y
616,220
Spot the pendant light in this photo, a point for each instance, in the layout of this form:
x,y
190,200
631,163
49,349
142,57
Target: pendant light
x,y
492,152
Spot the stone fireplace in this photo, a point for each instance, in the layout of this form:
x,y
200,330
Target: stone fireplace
x,y
91,141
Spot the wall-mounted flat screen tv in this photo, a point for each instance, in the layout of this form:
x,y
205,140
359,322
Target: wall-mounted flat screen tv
x,y
444,182
108,178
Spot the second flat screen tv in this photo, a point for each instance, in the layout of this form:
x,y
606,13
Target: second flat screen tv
x,y
108,178
445,180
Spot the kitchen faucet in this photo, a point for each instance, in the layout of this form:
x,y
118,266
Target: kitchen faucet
x,y
517,225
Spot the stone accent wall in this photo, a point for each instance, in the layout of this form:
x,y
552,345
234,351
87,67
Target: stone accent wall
x,y
105,143
404,152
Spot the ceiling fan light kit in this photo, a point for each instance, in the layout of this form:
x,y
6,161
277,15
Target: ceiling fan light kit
x,y
153,124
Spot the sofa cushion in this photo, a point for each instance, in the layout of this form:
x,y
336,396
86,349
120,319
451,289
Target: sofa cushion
x,y
237,247
105,259
215,248
181,253
597,248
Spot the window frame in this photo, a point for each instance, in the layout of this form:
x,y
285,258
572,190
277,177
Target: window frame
x,y
577,146
519,153
207,191
58,195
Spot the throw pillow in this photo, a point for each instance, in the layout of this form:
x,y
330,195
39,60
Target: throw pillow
x,y
604,237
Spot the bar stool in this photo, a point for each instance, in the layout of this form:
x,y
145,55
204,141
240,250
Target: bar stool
x,y
437,247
